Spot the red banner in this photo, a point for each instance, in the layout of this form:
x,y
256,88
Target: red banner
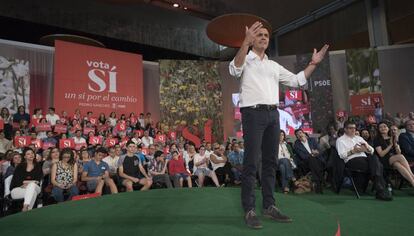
x,y
111,142
299,109
237,114
340,113
22,141
48,145
364,104
139,132
121,126
293,94
43,127
63,120
123,142
60,129
97,79
172,135
66,143
160,138
78,146
93,121
166,150
95,140
87,130
38,143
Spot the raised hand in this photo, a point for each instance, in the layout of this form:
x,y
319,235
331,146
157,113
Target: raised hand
x,y
317,57
252,32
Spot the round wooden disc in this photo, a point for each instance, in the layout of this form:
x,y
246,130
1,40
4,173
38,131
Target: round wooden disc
x,y
230,29
50,40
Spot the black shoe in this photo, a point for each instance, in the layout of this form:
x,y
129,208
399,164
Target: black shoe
x,y
273,213
252,221
383,197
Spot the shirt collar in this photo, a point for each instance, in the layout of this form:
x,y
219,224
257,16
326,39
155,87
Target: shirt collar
x,y
252,56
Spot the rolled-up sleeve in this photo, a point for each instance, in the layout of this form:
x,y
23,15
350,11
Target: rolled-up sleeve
x,y
342,149
234,70
290,79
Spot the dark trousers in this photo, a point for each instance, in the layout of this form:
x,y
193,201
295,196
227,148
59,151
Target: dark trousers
x,y
261,132
371,165
315,165
224,171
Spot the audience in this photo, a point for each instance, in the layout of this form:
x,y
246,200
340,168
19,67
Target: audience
x,y
137,160
357,154
26,180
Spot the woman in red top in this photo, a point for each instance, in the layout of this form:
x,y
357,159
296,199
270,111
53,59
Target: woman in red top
x,y
177,171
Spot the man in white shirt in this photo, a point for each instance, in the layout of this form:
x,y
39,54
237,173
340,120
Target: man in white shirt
x,y
147,140
112,161
52,117
353,149
259,98
78,139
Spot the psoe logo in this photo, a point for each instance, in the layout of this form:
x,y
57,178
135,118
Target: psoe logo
x,y
99,72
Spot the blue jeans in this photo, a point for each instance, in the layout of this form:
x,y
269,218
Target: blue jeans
x,y
286,172
57,193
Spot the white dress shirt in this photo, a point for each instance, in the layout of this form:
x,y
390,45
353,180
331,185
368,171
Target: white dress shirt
x,y
345,143
260,80
52,118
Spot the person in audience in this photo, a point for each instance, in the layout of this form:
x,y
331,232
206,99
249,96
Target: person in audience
x,y
285,162
7,120
102,118
52,158
64,176
310,158
329,140
366,135
26,180
5,144
157,169
395,131
378,112
146,139
178,172
220,165
236,158
15,161
357,154
96,173
131,170
52,117
201,161
406,141
112,161
389,151
21,115
37,114
112,119
189,158
78,139
399,120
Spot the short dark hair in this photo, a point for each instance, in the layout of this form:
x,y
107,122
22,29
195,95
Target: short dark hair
x,y
349,122
101,150
52,108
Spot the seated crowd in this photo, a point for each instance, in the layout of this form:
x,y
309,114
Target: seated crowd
x,y
106,155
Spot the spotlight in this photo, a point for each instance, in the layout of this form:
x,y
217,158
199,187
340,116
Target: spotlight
x,y
176,5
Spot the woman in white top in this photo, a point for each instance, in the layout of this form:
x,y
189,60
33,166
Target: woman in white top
x,y
285,162
201,169
112,119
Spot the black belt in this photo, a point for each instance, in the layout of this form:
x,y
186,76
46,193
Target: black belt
x,y
263,107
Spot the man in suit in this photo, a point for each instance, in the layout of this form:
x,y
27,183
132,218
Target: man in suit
x,y
309,158
406,141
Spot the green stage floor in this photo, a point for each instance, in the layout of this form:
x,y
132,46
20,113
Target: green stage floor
x,y
214,212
